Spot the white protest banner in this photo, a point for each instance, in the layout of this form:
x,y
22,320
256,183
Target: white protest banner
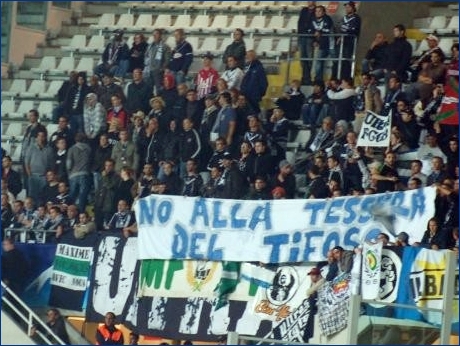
x,y
375,131
370,277
276,231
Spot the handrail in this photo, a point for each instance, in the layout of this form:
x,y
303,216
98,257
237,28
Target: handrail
x,y
30,317
23,232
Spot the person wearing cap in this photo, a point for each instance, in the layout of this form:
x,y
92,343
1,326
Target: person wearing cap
x,y
255,83
317,281
285,179
181,57
237,49
157,57
399,53
278,193
73,104
207,77
136,125
350,25
417,63
231,184
138,94
115,58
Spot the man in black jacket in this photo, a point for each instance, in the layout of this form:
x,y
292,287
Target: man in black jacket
x,y
306,15
255,83
231,184
13,178
399,53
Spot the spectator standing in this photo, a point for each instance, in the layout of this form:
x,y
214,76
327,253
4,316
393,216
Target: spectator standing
x,y
317,187
207,123
254,131
393,95
206,78
50,191
233,74
171,180
181,57
15,267
437,174
209,189
12,178
194,108
417,64
225,125
117,112
115,58
122,218
237,49
105,205
307,14
319,26
85,226
138,94
190,145
193,182
374,61
350,25
171,147
399,53
137,53
157,57
260,190
150,145
160,113
63,131
62,94
277,133
136,125
73,105
343,107
124,153
38,160
416,172
145,182
285,179
387,178
78,168
292,100
102,153
429,150
218,154
255,83
263,164
94,119
231,184
109,89
434,238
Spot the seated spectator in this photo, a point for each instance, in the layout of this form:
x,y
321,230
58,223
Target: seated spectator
x,y
408,127
145,182
254,84
118,112
121,219
55,322
206,79
393,95
335,171
181,57
54,223
449,147
292,100
374,60
137,53
255,131
343,106
221,86
313,105
260,191
416,171
7,213
6,191
233,74
84,226
368,96
243,112
115,58
19,214
193,182
397,144
39,220
433,238
323,136
285,179
237,49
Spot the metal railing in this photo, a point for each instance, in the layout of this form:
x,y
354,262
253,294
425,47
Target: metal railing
x,y
21,233
30,318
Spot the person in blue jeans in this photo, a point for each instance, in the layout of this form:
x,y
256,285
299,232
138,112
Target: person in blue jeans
x,y
314,103
115,58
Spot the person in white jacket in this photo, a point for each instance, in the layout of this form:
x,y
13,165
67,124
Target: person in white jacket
x,y
342,101
233,75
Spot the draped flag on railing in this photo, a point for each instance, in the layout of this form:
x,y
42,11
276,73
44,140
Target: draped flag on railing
x,y
448,114
375,131
370,277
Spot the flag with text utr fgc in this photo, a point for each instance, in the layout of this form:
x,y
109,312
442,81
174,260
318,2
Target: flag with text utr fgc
x,y
375,131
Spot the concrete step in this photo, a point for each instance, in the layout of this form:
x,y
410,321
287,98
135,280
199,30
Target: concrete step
x,y
101,8
70,30
30,62
52,51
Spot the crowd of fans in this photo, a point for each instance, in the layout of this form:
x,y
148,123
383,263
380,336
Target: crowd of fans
x,y
164,133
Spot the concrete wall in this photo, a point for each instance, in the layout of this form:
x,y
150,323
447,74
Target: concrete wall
x,y
382,16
